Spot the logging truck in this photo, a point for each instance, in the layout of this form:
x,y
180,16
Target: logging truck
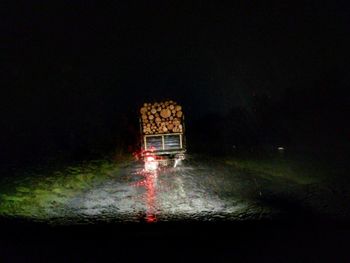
x,y
162,134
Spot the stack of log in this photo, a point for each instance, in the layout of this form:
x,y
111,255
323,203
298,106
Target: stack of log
x,y
161,117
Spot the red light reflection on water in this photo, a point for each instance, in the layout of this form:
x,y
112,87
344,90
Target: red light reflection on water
x,y
149,183
151,179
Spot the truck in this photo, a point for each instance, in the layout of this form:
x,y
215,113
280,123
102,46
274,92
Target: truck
x,y
162,129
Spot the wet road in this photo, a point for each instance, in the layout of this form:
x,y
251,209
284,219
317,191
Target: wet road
x,y
200,189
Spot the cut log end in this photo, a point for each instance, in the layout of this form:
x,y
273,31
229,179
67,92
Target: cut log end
x,y
161,117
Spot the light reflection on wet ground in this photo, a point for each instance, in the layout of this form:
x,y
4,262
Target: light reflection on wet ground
x,y
192,191
198,190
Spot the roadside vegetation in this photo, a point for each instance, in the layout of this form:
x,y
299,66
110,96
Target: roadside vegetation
x,y
41,194
300,170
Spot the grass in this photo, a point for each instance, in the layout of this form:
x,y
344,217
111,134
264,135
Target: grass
x,y
40,196
300,171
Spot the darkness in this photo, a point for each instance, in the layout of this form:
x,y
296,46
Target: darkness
x,y
75,74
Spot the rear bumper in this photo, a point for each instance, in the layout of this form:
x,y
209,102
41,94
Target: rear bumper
x,y
169,154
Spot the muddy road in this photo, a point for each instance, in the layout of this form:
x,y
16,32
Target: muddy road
x,y
203,209
199,189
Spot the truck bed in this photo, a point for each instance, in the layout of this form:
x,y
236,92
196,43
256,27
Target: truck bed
x,y
164,144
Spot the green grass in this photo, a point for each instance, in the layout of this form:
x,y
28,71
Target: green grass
x,y
299,171
40,196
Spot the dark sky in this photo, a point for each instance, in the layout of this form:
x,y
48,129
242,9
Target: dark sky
x,y
208,56
76,72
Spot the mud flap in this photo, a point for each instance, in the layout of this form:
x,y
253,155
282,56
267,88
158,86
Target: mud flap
x,y
176,162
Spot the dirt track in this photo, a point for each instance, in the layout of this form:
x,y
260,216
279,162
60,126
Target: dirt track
x,y
233,202
200,189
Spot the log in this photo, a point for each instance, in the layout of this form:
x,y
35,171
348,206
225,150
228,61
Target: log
x,y
179,114
161,117
143,110
165,113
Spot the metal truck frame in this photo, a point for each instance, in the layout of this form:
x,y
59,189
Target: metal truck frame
x,y
163,149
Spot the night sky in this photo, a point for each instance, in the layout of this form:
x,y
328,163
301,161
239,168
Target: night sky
x,y
80,67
